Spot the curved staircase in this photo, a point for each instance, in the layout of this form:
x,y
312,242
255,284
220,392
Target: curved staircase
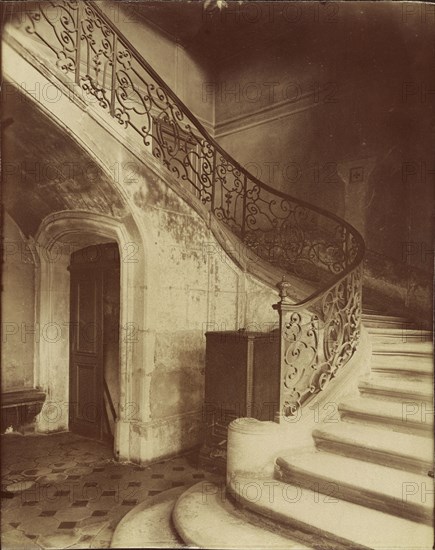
x,y
318,255
367,481
364,481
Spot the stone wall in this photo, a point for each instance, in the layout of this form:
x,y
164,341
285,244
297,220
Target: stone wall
x,y
19,332
331,107
186,284
337,112
197,287
181,70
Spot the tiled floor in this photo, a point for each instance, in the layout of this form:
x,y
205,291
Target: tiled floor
x,y
70,493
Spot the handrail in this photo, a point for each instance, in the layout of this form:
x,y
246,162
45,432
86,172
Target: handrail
x,y
199,127
301,238
306,302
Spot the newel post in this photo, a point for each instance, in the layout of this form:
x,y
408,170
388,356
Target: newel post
x,y
283,307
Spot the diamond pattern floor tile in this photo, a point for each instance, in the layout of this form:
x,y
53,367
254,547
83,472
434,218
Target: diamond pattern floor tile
x,y
58,540
35,526
12,540
73,514
77,493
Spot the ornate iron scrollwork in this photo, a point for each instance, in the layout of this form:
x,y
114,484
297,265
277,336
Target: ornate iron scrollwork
x,y
301,339
319,334
314,346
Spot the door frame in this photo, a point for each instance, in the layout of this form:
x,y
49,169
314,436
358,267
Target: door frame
x,y
54,242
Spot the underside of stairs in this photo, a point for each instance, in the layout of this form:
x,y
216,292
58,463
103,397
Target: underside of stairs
x,y
367,481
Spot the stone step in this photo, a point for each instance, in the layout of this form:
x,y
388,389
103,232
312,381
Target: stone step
x,y
148,524
333,523
403,389
375,324
400,335
413,453
373,313
403,366
404,494
383,321
368,311
205,517
408,416
395,320
403,349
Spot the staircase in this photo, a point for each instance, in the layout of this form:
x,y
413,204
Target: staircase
x,y
268,233
364,482
367,481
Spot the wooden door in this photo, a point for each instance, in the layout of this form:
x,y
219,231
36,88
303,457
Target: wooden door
x,y
94,272
86,353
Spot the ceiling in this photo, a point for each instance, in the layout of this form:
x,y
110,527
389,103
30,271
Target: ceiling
x,y
214,33
46,171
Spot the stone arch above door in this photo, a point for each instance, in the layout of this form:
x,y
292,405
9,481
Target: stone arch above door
x,y
60,234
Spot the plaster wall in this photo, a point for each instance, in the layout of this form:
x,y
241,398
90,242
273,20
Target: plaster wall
x,y
338,113
197,288
333,109
176,283
19,332
179,68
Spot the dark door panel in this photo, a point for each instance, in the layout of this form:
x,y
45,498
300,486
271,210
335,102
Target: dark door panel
x,y
94,347
86,369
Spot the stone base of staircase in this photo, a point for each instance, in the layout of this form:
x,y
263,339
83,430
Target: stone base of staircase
x,y
364,480
149,524
207,517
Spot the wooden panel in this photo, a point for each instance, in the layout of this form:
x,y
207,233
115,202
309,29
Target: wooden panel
x,y
86,369
87,337
94,335
89,401
265,387
241,379
225,372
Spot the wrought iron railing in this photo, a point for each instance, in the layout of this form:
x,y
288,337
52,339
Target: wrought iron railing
x,y
319,333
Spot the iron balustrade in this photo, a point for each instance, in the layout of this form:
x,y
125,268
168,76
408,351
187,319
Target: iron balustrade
x,y
319,334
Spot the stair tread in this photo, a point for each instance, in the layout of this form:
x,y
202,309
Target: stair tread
x,y
400,360
376,316
399,331
404,348
371,311
376,481
148,524
403,387
219,524
377,439
402,366
401,413
371,324
338,519
399,336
